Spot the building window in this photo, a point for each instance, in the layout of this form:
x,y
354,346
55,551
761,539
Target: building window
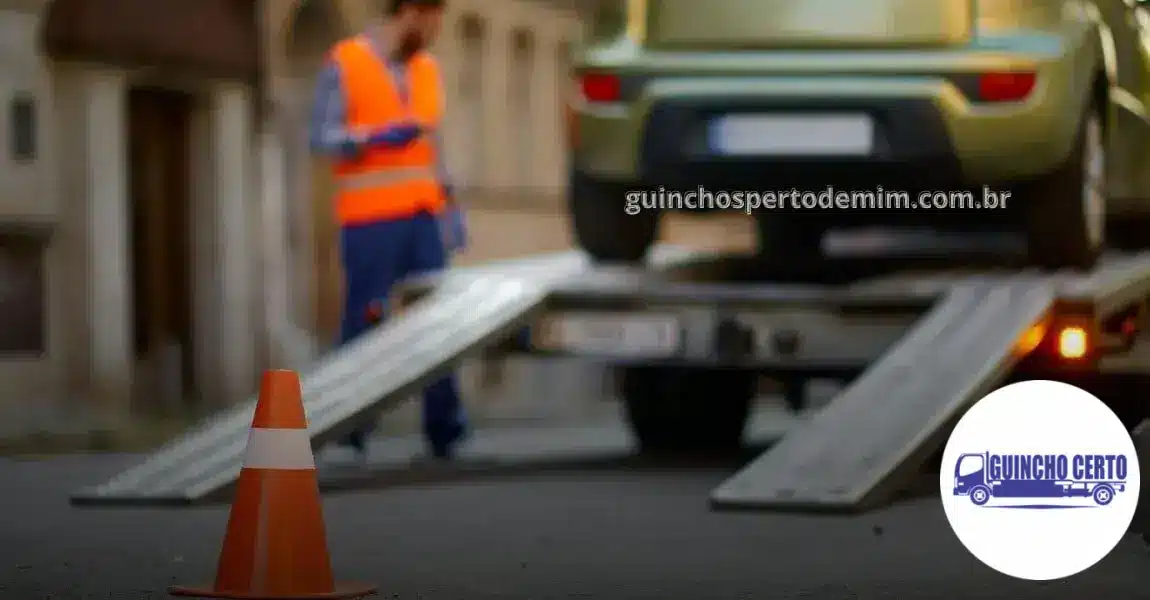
x,y
22,327
22,114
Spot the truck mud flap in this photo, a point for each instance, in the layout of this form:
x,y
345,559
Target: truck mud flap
x,y
871,442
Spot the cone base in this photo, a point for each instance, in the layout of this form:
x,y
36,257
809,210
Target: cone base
x,y
343,591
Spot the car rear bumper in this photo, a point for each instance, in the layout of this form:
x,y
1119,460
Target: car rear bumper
x,y
924,125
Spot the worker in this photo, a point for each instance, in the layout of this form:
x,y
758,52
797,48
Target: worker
x,y
378,115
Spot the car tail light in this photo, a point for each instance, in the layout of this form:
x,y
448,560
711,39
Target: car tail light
x,y
1006,87
600,87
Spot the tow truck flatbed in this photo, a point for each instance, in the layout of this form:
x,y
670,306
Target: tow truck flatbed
x,y
918,340
847,323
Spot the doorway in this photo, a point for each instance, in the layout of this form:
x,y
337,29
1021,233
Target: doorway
x,y
159,122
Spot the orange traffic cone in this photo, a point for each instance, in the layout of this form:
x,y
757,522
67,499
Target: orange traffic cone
x,y
276,544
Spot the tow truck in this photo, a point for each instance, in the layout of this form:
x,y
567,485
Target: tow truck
x,y
915,339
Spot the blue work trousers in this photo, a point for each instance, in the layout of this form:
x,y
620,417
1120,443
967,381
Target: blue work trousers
x,y
375,257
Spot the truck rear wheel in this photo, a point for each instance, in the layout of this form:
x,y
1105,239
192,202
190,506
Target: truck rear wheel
x,y
1103,495
790,236
688,411
1066,210
1128,232
601,225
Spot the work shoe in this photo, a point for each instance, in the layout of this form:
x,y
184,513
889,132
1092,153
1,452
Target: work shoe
x,y
357,441
445,449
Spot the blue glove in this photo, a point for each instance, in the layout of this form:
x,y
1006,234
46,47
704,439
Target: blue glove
x,y
454,229
396,136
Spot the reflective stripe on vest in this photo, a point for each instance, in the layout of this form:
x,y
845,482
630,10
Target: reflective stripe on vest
x,y
388,183
383,178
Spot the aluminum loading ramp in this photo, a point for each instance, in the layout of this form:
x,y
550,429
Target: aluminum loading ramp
x,y
369,376
871,441
468,310
868,444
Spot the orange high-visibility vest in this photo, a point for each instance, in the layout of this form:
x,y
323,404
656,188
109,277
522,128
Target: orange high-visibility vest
x,y
382,183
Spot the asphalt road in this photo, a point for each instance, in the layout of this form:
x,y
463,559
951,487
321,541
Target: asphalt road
x,y
586,521
607,532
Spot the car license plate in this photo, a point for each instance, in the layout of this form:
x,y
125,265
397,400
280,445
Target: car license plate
x,y
793,135
635,336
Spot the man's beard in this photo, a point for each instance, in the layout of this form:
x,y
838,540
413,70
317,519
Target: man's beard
x,y
409,45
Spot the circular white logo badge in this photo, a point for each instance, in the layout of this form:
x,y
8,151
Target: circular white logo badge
x,y
1040,480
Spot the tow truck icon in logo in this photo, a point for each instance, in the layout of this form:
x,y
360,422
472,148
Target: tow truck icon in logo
x,y
984,476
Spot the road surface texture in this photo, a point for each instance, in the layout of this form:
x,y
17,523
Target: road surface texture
x,y
612,532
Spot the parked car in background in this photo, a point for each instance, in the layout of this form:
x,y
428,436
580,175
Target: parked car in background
x,y
1041,99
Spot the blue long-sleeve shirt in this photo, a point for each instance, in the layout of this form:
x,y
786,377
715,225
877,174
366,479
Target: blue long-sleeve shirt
x,y
328,129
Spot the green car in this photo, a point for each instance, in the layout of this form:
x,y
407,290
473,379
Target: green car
x,y
1020,115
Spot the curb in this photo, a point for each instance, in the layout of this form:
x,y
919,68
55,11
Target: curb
x,y
134,437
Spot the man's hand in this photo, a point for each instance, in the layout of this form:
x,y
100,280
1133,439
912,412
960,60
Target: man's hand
x,y
453,225
396,136
355,142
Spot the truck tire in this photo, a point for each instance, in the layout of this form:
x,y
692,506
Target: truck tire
x,y
1066,209
1128,232
688,411
980,495
790,236
602,228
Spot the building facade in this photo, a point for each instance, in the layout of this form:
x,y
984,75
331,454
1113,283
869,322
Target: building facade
x,y
164,232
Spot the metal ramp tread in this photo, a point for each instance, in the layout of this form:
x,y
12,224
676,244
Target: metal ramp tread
x,y
382,368
871,441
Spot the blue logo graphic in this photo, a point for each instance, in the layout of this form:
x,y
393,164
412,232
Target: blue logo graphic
x,y
1094,478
